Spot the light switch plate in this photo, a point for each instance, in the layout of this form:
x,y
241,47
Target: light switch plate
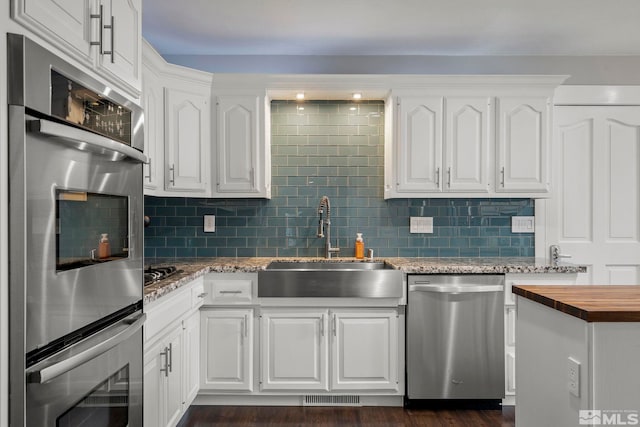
x,y
421,224
209,223
523,224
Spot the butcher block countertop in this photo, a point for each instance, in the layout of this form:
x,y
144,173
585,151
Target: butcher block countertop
x,y
190,269
591,303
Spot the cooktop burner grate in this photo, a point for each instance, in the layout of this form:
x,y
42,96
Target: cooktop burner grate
x,y
154,274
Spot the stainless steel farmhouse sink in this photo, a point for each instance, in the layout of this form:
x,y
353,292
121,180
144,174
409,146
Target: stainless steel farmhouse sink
x,y
329,279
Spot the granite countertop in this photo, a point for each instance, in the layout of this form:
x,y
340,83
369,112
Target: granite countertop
x,y
591,303
193,268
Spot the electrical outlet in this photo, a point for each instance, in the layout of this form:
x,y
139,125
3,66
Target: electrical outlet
x,y
573,376
421,224
523,224
209,223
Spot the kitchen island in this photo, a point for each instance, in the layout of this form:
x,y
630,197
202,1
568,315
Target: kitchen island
x,y
578,349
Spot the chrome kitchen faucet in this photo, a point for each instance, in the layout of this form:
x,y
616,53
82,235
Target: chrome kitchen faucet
x,y
326,205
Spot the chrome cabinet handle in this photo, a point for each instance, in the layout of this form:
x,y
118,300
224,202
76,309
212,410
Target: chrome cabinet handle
x,y
99,17
437,177
202,295
149,164
113,30
322,326
170,364
165,353
334,325
449,177
172,173
246,326
230,292
502,176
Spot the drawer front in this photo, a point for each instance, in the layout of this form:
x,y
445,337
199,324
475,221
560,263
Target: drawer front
x,y
229,291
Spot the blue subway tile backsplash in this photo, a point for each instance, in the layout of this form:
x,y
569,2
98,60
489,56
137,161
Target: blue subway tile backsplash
x,y
332,148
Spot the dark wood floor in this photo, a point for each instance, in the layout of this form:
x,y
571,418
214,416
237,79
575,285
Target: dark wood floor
x,y
244,416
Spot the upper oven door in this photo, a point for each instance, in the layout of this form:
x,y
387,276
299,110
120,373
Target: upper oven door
x,y
79,186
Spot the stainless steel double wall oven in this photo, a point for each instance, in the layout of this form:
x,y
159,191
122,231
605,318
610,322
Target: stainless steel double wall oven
x,y
76,245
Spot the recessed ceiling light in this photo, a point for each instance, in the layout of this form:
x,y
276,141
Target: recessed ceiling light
x,y
300,95
357,95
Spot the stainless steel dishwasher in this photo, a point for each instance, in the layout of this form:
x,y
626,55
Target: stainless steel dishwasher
x,y
455,337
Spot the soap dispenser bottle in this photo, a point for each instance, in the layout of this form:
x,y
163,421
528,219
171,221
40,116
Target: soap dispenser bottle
x,y
104,248
359,246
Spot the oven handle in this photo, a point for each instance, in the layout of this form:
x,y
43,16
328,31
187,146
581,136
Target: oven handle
x,y
86,141
50,372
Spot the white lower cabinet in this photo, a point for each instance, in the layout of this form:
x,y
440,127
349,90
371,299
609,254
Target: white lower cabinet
x,y
171,355
163,380
300,347
294,349
364,350
227,349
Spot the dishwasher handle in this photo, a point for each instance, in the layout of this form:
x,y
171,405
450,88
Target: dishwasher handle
x,y
454,289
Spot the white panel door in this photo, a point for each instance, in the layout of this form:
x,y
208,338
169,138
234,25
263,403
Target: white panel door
x,y
466,140
364,350
594,215
419,150
294,351
227,349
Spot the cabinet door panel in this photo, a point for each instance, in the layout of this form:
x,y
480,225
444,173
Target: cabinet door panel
x,y
123,39
466,138
419,148
191,358
154,392
365,350
65,21
523,144
153,130
294,350
174,398
187,139
227,353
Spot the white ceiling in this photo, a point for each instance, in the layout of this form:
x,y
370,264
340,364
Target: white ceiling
x,y
393,27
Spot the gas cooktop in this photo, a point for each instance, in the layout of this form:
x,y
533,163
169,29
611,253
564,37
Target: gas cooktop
x,y
154,274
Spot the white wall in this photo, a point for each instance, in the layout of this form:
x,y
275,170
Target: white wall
x,y
584,70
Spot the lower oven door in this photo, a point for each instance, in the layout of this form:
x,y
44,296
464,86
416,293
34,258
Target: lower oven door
x,y
97,382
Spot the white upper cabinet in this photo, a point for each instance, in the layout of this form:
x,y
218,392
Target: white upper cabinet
x,y
102,34
66,23
442,144
177,128
242,167
469,136
466,141
122,41
419,149
187,139
152,102
523,144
